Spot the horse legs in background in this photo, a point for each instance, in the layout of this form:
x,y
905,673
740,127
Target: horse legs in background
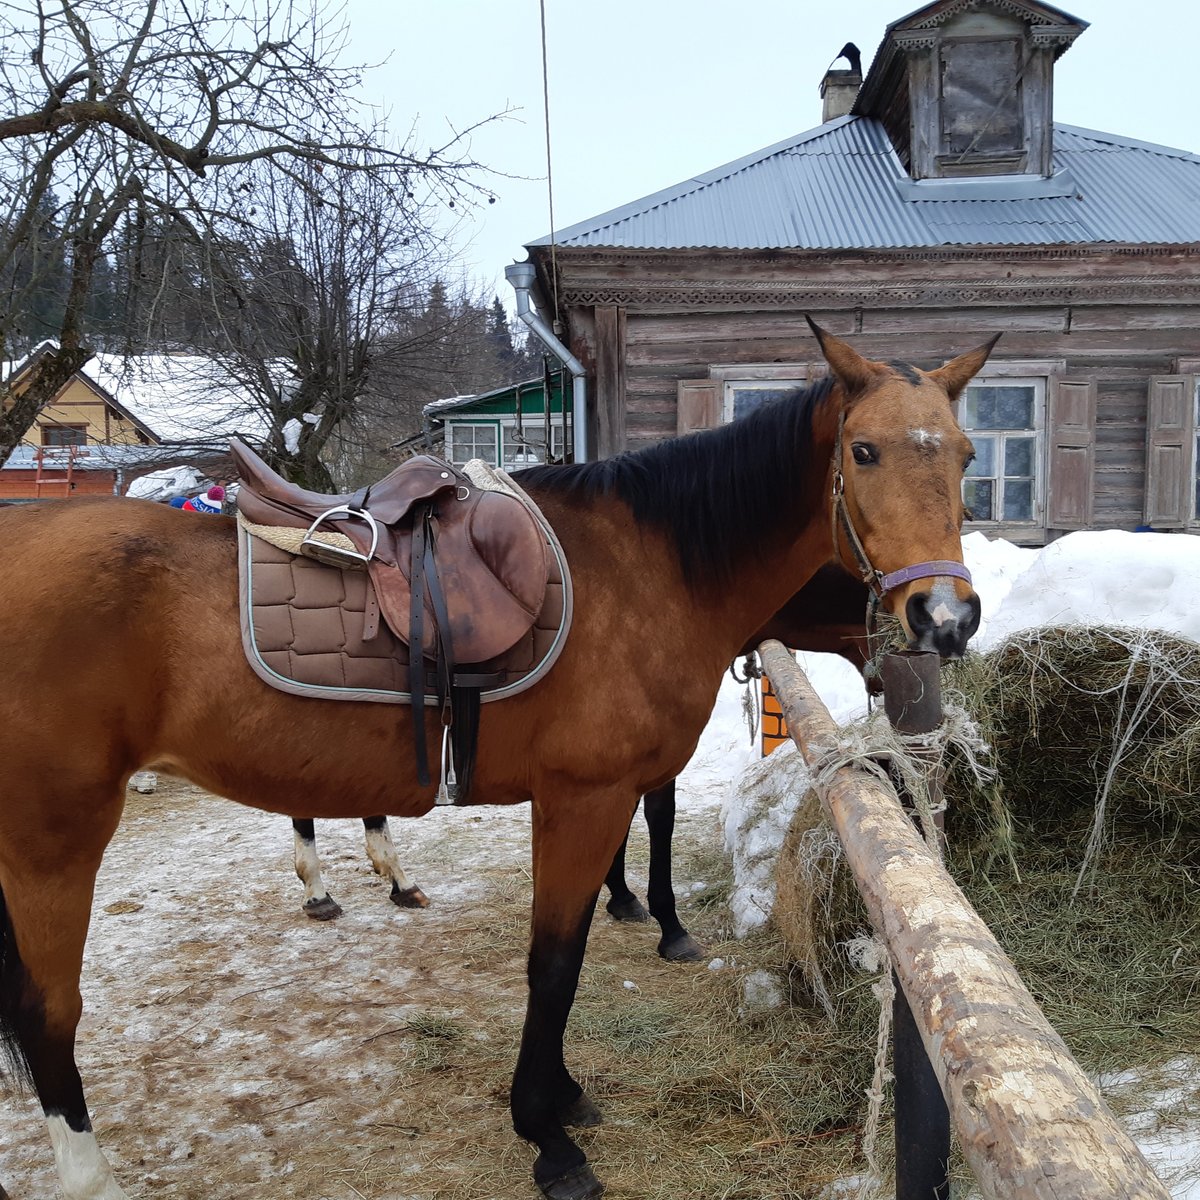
x,y
381,850
676,944
45,905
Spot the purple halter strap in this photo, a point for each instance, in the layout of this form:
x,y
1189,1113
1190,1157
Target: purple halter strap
x,y
925,570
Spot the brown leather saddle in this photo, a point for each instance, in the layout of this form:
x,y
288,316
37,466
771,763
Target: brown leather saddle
x,y
457,571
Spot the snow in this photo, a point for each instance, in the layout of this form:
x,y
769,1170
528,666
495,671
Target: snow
x,y
181,397
166,484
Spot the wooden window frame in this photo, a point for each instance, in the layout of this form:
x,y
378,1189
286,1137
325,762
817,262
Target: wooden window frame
x,y
558,437
1018,530
57,426
493,425
1043,372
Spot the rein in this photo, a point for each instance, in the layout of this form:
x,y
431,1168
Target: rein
x,y
877,582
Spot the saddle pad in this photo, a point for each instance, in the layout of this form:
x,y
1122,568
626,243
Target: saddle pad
x,y
303,621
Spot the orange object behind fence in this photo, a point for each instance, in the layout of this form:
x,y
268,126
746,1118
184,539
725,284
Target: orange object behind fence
x,y
774,728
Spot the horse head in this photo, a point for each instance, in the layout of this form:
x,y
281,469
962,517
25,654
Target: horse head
x,y
897,490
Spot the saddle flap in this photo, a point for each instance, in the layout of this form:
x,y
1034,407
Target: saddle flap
x,y
493,564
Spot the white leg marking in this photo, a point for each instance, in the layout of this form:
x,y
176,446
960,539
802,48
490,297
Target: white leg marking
x,y
308,867
83,1171
381,850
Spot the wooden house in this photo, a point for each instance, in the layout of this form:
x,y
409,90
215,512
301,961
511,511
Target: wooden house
x,y
938,205
55,459
119,418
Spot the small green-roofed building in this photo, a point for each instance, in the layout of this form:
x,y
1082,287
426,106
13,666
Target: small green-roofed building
x,y
508,427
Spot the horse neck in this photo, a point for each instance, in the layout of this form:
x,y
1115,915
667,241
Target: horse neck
x,y
765,581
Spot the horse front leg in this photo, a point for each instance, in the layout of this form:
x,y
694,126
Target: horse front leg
x,y
46,888
676,944
381,850
574,839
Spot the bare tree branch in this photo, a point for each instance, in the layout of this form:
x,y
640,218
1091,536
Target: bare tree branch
x,y
122,119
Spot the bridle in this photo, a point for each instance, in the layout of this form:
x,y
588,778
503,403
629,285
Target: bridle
x,y
877,582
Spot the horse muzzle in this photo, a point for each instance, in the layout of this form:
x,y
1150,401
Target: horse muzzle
x,y
941,620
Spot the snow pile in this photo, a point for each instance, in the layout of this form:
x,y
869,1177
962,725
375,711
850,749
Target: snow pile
x,y
1136,580
761,806
166,484
1141,580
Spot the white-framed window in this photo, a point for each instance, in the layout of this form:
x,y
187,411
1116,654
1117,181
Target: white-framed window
x,y
528,447
1005,420
473,440
742,395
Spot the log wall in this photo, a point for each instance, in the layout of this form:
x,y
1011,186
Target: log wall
x,y
1118,317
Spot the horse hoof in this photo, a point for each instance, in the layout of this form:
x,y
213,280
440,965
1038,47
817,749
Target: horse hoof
x,y
581,1113
682,949
627,910
323,909
579,1184
411,897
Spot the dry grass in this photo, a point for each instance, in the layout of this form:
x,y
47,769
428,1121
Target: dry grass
x,y
701,1099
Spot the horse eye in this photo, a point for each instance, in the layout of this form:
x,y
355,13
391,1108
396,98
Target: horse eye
x,y
863,454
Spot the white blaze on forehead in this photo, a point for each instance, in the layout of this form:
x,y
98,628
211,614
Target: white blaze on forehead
x,y
926,437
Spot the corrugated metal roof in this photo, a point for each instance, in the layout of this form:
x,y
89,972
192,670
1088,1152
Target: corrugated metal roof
x,y
841,186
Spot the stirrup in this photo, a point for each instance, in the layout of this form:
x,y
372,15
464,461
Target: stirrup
x,y
339,556
447,792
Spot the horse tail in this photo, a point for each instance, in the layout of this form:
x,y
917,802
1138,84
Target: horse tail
x,y
14,991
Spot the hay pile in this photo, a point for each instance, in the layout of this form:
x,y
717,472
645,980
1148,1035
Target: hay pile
x,y
1083,856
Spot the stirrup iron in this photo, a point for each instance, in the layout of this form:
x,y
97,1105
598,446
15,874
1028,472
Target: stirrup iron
x,y
447,792
339,556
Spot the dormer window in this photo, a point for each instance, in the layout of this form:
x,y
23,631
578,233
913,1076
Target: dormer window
x,y
982,123
965,87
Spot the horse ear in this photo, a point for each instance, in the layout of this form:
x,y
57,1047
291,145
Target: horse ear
x,y
958,372
852,370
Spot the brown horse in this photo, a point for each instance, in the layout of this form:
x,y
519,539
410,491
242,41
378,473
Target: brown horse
x,y
827,615
120,649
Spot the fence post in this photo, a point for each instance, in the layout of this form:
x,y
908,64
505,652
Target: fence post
x,y
912,700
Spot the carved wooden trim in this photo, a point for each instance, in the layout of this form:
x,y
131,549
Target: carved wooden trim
x,y
785,295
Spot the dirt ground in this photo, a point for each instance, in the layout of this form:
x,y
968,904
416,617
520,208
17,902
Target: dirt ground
x,y
231,1047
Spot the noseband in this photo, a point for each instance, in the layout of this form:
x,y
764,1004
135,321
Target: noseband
x,y
878,583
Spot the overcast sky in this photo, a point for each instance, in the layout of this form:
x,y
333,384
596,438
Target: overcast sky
x,y
646,93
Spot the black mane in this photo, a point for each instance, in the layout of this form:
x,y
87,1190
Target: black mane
x,y
721,494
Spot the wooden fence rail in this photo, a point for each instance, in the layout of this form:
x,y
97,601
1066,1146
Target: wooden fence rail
x,y
1030,1122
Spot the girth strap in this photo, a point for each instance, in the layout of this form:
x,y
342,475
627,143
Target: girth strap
x,y
425,582
416,639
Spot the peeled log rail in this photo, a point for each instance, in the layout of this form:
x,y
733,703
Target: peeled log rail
x,y
1030,1122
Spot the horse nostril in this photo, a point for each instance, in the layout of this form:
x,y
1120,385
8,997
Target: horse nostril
x,y
917,611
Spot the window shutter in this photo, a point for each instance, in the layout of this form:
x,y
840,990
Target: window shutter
x,y
697,406
1170,425
1072,439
